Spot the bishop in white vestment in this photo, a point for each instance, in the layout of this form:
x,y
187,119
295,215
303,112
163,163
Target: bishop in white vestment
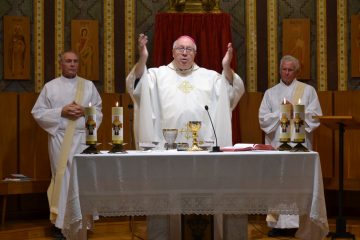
x,y
170,96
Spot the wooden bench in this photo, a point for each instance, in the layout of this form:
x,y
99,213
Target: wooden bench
x,y
20,187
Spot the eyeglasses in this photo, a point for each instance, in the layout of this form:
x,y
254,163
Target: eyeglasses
x,y
183,49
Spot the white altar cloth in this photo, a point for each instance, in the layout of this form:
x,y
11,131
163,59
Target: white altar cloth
x,y
172,182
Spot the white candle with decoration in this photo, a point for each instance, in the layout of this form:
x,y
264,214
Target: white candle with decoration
x,y
285,116
90,125
117,124
298,130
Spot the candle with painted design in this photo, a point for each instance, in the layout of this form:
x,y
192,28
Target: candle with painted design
x,y
298,130
90,125
285,115
117,124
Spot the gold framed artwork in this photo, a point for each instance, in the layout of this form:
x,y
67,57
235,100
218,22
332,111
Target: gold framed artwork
x,y
16,47
84,40
355,46
296,42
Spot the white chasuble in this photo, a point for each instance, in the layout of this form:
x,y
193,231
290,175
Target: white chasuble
x,y
165,98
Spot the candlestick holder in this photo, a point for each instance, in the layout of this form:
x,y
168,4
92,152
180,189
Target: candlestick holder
x,y
91,149
284,146
299,148
299,130
117,148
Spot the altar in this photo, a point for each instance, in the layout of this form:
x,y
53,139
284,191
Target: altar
x,y
172,183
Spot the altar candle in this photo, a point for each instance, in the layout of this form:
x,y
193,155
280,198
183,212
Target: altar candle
x,y
298,130
90,125
117,124
285,115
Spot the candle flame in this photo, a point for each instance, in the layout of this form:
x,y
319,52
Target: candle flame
x,y
89,104
299,102
117,104
284,101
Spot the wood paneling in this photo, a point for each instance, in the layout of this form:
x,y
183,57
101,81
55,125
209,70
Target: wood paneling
x,y
33,155
347,103
324,137
249,118
8,133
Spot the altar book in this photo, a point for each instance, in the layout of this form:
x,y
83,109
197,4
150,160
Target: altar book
x,y
248,147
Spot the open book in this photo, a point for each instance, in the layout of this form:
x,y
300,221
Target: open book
x,y
247,147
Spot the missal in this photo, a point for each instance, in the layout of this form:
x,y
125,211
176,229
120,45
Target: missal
x,y
248,147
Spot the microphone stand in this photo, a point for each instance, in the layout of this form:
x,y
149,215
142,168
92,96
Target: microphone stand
x,y
215,148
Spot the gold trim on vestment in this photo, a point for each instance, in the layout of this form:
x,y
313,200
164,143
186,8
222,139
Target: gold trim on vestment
x,y
59,32
109,62
251,46
129,35
321,50
38,45
342,39
272,40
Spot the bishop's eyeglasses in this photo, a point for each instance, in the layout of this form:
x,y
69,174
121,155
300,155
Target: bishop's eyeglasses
x,y
183,49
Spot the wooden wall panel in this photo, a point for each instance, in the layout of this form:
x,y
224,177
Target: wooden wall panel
x,y
249,118
33,145
324,137
8,133
348,103
129,137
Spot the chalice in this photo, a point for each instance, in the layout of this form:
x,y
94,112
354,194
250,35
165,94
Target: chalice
x,y
195,127
170,135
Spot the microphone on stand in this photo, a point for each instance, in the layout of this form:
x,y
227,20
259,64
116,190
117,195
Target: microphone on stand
x,y
215,148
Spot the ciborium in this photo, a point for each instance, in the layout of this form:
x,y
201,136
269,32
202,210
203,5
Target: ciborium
x,y
195,126
170,135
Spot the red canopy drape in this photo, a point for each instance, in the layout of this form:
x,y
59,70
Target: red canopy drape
x,y
211,32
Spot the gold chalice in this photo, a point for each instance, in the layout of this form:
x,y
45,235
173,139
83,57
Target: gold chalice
x,y
195,127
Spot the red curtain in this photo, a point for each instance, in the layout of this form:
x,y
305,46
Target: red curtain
x,y
211,32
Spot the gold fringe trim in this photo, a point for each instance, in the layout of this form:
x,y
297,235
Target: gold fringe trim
x,y
251,46
342,45
38,45
109,62
272,41
59,32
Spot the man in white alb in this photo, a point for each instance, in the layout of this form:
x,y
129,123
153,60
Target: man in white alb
x,y
59,110
290,89
170,96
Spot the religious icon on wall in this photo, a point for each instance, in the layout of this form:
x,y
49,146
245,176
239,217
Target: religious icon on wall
x,y
16,47
84,40
355,46
296,42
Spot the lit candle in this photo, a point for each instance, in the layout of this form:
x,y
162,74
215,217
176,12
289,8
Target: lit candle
x,y
285,115
117,124
298,130
90,125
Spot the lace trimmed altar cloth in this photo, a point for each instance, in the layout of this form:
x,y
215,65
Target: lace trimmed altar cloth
x,y
171,182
